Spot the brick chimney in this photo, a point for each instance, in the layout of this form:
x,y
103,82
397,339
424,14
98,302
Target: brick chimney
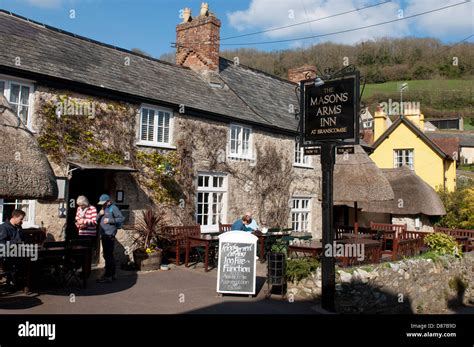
x,y
302,73
197,41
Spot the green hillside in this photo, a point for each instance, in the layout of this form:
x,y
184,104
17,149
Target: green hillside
x,y
437,97
464,87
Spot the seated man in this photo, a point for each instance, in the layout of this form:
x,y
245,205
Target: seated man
x,y
11,230
253,223
241,224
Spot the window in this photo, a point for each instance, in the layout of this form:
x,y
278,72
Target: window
x,y
28,206
240,141
300,158
211,195
300,213
18,95
155,125
403,157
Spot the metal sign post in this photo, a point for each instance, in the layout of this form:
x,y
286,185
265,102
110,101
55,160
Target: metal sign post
x,y
330,112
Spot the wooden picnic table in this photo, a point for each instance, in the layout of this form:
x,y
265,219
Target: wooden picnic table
x,y
345,236
209,242
62,252
314,248
263,240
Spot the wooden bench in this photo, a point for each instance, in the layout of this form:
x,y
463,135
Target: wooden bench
x,y
343,229
388,233
177,238
224,227
461,235
408,244
372,255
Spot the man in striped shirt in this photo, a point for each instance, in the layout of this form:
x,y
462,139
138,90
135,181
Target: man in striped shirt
x,y
86,217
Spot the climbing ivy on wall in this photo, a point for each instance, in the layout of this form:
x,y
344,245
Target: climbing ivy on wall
x,y
104,133
100,133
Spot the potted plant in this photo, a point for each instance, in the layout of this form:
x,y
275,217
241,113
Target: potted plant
x,y
148,240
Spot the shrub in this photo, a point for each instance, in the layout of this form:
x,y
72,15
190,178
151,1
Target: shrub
x,y
459,207
301,268
443,244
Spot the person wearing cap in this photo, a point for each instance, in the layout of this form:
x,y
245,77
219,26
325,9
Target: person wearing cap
x,y
107,219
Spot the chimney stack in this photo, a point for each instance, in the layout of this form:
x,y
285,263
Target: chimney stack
x,y
197,41
301,73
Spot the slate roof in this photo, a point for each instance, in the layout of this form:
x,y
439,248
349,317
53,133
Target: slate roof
x,y
249,96
466,139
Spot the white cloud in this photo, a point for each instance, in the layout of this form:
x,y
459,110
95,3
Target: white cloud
x,y
266,14
454,21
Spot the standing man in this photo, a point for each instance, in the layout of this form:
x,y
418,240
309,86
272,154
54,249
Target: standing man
x,y
109,220
11,230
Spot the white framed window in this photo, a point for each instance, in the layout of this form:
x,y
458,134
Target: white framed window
x,y
241,142
155,127
403,157
300,158
211,200
28,206
19,94
300,214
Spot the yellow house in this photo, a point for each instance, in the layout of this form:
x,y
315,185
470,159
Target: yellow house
x,y
403,142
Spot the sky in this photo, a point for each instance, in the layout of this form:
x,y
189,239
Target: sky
x,y
150,24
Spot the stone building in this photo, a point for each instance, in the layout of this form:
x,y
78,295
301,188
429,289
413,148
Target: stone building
x,y
206,138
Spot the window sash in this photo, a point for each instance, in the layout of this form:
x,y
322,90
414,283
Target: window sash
x,y
19,99
155,126
210,208
25,205
403,157
300,214
240,141
211,194
300,158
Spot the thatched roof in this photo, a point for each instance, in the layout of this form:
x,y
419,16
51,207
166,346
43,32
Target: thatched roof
x,y
357,178
25,172
412,195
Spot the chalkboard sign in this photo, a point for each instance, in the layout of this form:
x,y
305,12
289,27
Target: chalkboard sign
x,y
237,263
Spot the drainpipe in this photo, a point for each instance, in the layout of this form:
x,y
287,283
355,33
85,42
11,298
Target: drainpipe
x,y
444,174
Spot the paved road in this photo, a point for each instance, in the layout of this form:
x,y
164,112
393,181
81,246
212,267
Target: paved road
x,y
178,290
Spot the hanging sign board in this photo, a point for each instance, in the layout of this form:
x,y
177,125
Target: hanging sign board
x,y
237,263
330,110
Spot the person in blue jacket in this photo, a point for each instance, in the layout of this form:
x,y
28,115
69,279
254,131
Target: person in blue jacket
x,y
109,219
242,224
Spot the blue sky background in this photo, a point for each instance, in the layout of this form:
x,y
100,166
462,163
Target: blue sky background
x,y
150,24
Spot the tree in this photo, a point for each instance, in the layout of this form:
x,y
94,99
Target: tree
x,y
459,207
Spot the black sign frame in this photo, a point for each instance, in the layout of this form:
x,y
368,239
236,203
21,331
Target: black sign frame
x,y
345,74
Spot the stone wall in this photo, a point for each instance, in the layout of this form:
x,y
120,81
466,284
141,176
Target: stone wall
x,y
242,189
209,141
425,223
408,286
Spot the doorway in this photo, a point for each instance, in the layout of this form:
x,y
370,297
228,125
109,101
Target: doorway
x,y
91,184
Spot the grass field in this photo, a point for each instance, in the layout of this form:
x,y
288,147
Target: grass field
x,y
463,86
468,124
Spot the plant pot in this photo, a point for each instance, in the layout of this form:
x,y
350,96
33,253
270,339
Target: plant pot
x,y
147,261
